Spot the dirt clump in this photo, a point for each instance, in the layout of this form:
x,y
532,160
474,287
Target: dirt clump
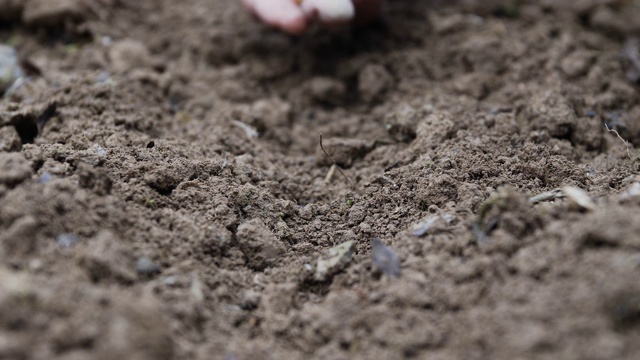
x,y
164,195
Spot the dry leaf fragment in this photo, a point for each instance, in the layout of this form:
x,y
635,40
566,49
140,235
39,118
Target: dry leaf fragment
x,y
579,197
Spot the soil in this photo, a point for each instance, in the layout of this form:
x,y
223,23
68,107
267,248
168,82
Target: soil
x,y
163,193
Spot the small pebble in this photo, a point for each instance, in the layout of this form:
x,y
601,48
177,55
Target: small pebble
x,y
66,240
633,190
103,77
146,266
99,150
45,178
336,259
10,69
106,41
385,258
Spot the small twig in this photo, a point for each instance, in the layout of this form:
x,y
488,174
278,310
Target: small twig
x,y
332,170
547,196
336,164
626,143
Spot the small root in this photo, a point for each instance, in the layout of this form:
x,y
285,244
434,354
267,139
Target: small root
x,y
335,165
625,142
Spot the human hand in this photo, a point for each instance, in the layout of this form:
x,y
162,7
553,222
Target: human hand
x,y
295,16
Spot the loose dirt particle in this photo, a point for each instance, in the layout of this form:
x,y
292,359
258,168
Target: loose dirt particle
x,y
9,139
327,90
14,169
108,258
259,244
129,54
373,82
56,12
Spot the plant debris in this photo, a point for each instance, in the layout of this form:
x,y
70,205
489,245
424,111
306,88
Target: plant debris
x,y
547,196
431,223
625,142
249,130
579,197
335,164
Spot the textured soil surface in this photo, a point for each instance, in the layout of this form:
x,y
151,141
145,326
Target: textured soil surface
x,y
163,193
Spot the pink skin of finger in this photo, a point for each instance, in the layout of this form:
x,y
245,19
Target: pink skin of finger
x,y
295,16
329,11
284,14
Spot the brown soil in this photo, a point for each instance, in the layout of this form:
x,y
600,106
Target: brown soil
x,y
177,204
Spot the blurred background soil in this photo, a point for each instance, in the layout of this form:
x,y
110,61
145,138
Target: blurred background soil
x,y
163,194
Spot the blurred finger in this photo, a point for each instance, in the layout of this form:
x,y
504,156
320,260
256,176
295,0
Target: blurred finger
x,y
329,11
284,14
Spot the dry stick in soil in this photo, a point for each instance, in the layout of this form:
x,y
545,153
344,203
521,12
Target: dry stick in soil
x,y
336,164
626,143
